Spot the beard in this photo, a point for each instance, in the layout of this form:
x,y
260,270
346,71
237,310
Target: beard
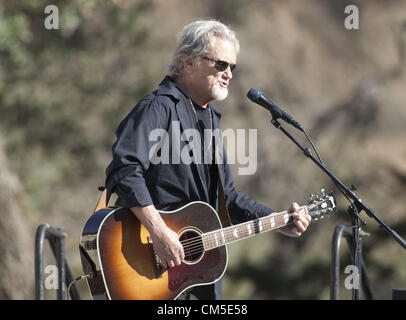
x,y
219,93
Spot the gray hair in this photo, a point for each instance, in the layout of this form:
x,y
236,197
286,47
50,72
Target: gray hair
x,y
197,40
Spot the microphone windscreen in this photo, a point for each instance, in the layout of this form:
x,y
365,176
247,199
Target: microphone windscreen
x,y
254,94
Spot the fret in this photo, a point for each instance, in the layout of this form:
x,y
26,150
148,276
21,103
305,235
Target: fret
x,y
260,225
249,228
272,219
222,235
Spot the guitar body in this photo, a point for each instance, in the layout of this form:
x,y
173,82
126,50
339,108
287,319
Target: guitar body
x,y
117,252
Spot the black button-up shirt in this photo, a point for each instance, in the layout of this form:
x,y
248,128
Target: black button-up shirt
x,y
139,180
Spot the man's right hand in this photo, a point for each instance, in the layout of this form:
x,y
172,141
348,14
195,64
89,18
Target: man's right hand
x,y
166,242
167,247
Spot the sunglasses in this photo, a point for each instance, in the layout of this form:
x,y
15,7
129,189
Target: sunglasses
x,y
221,65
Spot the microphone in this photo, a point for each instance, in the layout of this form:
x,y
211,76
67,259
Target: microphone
x,y
256,96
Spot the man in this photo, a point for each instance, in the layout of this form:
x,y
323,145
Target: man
x,y
201,70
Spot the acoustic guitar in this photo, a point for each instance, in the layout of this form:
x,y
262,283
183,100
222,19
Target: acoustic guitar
x,y
118,255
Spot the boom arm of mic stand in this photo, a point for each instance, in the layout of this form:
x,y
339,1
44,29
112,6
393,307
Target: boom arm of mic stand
x,y
358,203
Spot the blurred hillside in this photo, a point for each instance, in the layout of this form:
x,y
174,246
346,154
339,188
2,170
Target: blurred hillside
x,y
63,93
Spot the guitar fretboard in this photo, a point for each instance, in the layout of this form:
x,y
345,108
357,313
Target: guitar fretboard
x,y
221,237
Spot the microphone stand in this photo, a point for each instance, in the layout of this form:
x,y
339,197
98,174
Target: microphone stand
x,y
353,210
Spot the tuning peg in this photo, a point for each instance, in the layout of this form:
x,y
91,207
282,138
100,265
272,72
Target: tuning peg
x,y
323,192
311,195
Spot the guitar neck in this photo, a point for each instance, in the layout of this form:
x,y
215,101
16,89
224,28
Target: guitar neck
x,y
221,237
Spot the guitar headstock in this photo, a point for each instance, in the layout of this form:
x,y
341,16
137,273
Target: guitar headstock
x,y
321,205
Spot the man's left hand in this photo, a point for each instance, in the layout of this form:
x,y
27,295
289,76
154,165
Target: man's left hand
x,y
300,222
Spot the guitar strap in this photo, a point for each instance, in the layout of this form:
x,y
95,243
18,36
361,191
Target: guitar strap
x,y
103,200
222,207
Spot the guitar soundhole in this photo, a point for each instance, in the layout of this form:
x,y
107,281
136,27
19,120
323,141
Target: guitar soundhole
x,y
192,246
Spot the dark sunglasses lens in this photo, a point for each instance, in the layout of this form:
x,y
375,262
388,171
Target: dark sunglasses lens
x,y
221,65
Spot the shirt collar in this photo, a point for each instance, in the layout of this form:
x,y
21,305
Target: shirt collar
x,y
168,87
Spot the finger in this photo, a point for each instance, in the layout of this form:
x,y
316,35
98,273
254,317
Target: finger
x,y
293,207
304,218
182,254
296,232
300,226
177,261
177,256
163,263
299,216
180,251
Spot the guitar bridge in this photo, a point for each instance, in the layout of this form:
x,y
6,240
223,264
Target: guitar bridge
x,y
157,265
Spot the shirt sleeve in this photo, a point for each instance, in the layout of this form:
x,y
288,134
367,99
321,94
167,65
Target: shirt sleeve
x,y
126,173
240,206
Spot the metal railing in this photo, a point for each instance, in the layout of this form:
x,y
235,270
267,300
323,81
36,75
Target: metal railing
x,y
56,238
347,232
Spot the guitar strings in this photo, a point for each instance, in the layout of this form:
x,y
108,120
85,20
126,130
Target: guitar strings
x,y
199,248
195,245
192,241
196,242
